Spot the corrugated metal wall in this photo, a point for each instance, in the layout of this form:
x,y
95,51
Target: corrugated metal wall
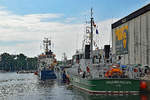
x,y
138,40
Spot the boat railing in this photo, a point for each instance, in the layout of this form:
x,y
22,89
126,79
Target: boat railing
x,y
100,70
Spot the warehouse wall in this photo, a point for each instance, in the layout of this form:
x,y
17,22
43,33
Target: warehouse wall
x,y
148,31
138,40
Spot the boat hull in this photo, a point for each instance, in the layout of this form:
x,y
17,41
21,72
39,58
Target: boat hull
x,y
104,86
47,74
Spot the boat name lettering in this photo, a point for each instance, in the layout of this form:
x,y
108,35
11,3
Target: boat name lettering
x,y
118,82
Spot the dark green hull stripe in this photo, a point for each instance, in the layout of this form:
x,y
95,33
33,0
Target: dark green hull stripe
x,y
115,86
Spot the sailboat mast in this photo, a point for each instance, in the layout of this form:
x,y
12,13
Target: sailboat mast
x,y
91,44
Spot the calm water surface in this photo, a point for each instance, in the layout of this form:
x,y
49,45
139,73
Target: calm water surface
x,y
15,86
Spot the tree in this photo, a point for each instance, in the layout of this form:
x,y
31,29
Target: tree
x,y
17,62
7,62
21,61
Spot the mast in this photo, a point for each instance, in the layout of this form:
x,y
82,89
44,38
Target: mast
x,y
47,44
91,43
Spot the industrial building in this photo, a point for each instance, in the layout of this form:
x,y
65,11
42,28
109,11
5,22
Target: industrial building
x,y
131,37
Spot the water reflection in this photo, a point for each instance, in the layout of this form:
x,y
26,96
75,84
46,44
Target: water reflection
x,y
28,87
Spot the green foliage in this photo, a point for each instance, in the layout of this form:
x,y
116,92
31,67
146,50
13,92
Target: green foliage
x,y
17,62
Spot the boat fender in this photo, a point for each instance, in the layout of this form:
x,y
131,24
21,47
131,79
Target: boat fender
x,y
143,85
144,97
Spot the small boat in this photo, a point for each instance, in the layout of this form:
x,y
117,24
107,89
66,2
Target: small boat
x,y
47,62
25,71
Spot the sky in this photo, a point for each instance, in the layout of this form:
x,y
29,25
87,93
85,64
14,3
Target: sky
x,y
25,23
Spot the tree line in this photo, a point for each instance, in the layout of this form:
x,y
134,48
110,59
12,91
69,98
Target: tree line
x,y
18,62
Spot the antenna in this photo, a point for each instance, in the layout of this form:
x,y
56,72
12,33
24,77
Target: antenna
x,y
91,12
91,44
92,3
110,36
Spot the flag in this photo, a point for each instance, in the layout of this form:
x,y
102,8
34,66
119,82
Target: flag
x,y
94,24
96,31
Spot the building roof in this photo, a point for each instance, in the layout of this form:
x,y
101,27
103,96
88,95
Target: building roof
x,y
132,16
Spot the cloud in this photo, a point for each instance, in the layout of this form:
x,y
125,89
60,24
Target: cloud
x,y
68,20
24,33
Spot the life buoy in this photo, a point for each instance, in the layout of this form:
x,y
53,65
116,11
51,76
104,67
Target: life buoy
x,y
110,73
116,70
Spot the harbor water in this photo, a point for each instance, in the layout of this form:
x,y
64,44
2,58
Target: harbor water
x,y
15,86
